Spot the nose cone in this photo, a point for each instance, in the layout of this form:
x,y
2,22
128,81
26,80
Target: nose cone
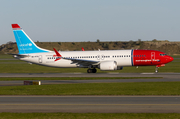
x,y
170,59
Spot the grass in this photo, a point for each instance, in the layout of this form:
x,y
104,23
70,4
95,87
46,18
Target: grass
x,y
69,78
3,56
89,116
136,88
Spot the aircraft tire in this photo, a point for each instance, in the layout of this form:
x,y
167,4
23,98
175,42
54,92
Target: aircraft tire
x,y
156,71
89,71
94,70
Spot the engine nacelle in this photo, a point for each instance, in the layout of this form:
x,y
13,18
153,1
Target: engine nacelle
x,y
108,65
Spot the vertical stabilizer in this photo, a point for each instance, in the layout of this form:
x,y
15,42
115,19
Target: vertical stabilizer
x,y
24,43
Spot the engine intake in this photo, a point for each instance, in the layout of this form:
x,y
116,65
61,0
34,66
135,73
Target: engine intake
x,y
108,65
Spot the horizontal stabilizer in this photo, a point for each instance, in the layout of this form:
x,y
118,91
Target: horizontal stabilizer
x,y
18,55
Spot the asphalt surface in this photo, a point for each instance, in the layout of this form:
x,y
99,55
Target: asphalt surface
x,y
46,82
91,104
163,77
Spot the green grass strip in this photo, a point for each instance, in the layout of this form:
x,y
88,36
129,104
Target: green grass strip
x,y
136,88
70,78
89,116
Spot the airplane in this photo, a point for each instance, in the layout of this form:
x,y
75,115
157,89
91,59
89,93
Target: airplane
x,y
105,60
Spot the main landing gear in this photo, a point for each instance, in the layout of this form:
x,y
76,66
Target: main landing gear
x,y
92,70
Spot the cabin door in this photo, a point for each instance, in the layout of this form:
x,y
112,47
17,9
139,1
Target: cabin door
x,y
152,55
40,58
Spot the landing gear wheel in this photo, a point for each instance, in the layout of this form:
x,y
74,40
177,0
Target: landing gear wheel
x,y
156,71
89,71
94,70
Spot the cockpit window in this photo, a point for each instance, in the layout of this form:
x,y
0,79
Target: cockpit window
x,y
162,54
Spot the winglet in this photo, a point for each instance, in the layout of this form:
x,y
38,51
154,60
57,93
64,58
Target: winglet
x,y
82,49
57,54
15,26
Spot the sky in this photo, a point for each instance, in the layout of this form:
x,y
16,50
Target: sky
x,y
89,20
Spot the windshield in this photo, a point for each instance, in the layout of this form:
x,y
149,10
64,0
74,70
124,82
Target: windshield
x,y
162,54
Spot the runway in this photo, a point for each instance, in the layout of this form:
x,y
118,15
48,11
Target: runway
x,y
163,77
91,104
47,82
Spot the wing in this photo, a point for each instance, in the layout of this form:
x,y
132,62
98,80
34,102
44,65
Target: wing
x,y
82,62
77,61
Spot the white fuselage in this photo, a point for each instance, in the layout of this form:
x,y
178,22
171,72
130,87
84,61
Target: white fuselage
x,y
122,57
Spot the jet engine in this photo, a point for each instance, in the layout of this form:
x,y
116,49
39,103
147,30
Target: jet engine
x,y
109,65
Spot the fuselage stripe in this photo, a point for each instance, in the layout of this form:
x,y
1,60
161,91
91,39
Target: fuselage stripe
x,y
132,57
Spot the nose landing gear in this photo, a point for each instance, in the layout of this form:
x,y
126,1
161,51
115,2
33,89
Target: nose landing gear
x,y
156,71
157,66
